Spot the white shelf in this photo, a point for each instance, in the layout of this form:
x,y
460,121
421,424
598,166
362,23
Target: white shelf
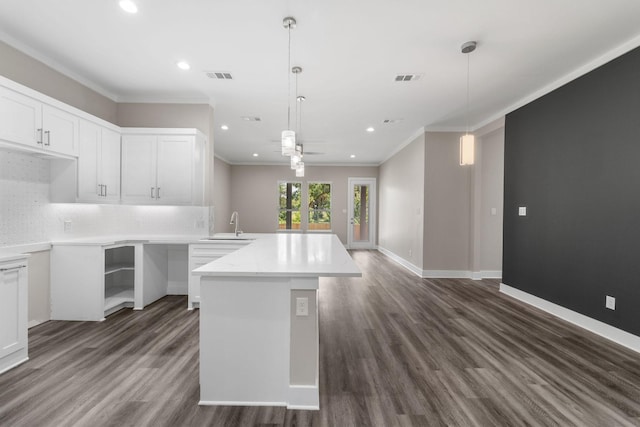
x,y
115,296
112,268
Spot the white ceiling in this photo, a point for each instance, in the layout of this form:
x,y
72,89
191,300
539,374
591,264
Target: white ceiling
x,y
350,51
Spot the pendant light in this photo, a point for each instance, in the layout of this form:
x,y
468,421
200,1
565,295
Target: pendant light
x,y
288,135
467,141
299,147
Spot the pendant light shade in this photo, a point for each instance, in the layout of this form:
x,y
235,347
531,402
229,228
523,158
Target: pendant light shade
x,y
467,142
300,169
288,142
467,154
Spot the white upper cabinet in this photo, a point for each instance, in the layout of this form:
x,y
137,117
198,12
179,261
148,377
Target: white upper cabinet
x,y
98,163
36,125
20,118
163,166
60,131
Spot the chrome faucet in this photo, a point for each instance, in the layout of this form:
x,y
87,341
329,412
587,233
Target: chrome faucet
x,y
235,220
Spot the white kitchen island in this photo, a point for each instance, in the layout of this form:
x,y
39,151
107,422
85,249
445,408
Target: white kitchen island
x,y
255,346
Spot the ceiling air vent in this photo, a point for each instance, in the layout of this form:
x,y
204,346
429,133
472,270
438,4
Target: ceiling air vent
x,y
391,121
407,77
219,75
251,118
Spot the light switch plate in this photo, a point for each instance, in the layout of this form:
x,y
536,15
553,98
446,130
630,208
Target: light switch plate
x,y
522,211
610,302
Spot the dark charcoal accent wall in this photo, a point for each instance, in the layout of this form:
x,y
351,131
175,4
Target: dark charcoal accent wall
x,y
572,157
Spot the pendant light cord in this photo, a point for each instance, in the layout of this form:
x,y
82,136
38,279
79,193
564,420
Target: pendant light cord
x,y
468,68
289,81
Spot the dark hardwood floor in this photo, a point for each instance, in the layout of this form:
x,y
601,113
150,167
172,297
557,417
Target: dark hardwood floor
x,y
396,350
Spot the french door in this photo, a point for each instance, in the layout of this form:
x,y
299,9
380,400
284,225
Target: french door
x,y
362,213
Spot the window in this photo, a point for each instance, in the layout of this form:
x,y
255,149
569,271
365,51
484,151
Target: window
x,y
319,206
289,211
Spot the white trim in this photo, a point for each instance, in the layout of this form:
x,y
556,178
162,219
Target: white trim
x,y
304,397
486,274
406,142
238,403
609,332
56,66
403,262
306,164
446,274
160,99
33,323
14,365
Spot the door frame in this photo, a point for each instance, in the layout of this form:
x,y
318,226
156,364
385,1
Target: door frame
x,y
371,182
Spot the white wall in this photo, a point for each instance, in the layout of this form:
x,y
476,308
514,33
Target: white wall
x,y
492,192
254,193
401,203
30,72
447,205
222,197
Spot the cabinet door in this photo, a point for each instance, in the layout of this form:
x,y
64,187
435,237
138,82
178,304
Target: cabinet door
x,y
139,168
110,165
175,169
20,118
88,161
13,309
60,130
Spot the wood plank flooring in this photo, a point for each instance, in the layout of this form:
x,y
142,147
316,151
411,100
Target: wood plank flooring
x,y
396,350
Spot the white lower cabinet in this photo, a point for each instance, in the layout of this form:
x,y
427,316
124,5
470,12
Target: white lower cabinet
x,y
89,282
13,313
203,253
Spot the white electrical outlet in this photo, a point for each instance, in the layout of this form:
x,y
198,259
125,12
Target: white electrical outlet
x,y
302,306
610,302
494,211
522,211
68,226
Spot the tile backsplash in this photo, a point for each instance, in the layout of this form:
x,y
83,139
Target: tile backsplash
x,y
27,216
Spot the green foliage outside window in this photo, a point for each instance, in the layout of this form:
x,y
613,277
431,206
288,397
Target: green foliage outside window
x,y
319,206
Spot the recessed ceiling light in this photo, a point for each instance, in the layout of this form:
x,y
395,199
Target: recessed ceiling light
x,y
353,156
224,127
255,154
128,6
183,65
370,129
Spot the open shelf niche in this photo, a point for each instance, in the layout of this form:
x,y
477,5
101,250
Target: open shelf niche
x,y
119,272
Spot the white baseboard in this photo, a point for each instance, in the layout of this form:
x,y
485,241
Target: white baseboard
x,y
177,290
234,403
441,274
33,323
486,274
597,327
403,262
446,274
304,397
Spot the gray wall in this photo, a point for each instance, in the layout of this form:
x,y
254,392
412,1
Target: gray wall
x,y
222,197
254,193
27,71
401,202
571,157
447,204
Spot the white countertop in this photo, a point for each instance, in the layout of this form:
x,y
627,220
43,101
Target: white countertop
x,y
7,256
292,255
155,239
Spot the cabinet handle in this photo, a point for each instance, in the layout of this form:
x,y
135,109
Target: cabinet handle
x,y
152,193
158,193
39,140
48,133
17,267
